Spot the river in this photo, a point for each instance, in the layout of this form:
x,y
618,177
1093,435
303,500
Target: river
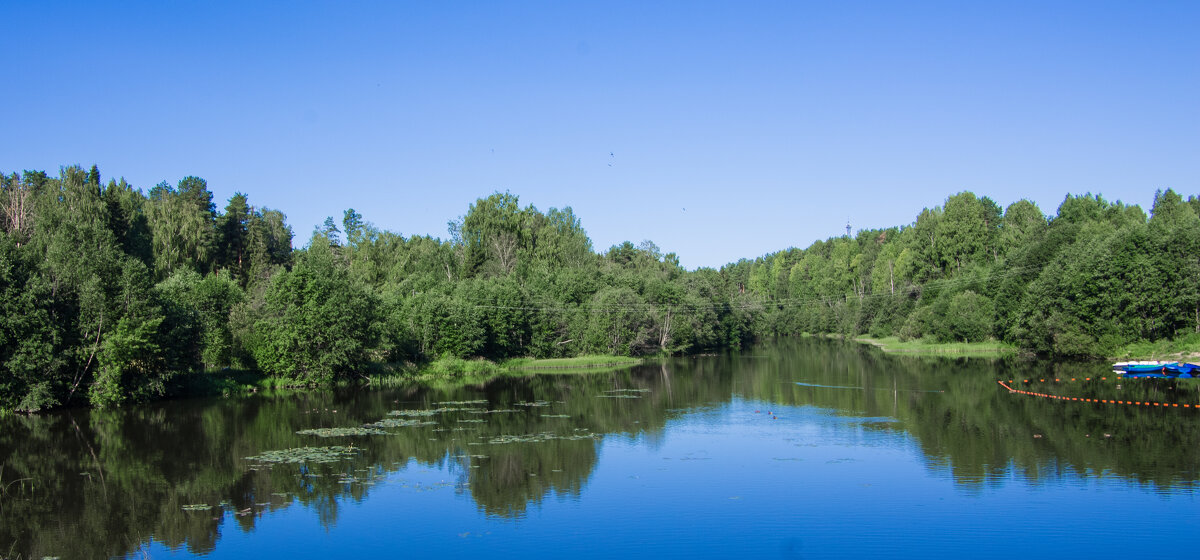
x,y
796,449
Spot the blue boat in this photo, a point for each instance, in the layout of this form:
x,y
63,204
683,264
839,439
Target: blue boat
x,y
1139,368
1157,370
1181,369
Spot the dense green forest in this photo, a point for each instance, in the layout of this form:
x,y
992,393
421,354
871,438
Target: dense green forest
x,y
111,295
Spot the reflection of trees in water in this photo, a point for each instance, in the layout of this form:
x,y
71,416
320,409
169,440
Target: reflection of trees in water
x,y
112,478
980,432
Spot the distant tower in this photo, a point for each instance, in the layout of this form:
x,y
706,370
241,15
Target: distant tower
x,y
847,227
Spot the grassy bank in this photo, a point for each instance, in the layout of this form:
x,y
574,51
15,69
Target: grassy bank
x,y
446,370
1181,349
927,347
458,370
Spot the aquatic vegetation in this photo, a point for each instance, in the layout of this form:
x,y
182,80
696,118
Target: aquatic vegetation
x,y
480,401
542,437
533,403
472,421
343,432
556,416
578,362
418,413
619,396
423,413
329,454
399,423
369,478
628,391
197,507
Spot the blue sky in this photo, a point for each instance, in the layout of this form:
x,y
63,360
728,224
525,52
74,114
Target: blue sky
x,y
735,129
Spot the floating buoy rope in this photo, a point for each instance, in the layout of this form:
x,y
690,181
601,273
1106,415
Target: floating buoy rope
x,y
1090,400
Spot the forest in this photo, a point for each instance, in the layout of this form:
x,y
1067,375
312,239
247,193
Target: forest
x,y
111,295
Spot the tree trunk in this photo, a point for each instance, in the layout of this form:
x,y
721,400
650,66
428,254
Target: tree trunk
x,y
665,332
891,276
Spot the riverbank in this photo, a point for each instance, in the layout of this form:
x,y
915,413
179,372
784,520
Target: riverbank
x,y
458,370
925,347
1182,349
444,371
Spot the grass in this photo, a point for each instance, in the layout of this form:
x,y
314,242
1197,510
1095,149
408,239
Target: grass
x,y
458,371
229,382
1185,348
929,347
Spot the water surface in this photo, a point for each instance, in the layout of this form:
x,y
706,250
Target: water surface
x,y
799,449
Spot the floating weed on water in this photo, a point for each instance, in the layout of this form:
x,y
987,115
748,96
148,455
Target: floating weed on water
x,y
305,455
480,401
399,423
538,438
417,413
431,411
472,421
628,391
556,416
496,411
533,403
280,494
342,432
197,507
619,396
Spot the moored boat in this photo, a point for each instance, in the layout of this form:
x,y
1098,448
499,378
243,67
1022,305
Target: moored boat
x,y
1156,369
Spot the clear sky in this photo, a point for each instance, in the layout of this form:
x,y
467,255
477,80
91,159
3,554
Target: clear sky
x,y
717,130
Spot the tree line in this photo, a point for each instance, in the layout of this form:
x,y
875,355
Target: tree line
x,y
108,294
1095,277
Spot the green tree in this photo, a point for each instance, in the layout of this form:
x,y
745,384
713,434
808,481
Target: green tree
x,y
183,222
317,325
233,233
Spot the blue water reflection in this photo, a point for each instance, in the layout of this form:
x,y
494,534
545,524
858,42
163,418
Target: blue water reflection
x,y
748,479
804,449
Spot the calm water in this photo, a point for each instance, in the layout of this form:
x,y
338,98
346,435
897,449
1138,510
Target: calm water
x,y
802,449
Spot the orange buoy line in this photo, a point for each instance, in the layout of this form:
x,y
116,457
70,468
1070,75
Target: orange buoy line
x,y
1058,379
1097,401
